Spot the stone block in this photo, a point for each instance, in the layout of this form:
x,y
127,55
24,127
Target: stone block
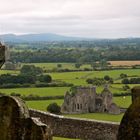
x,y
16,124
130,125
2,54
135,93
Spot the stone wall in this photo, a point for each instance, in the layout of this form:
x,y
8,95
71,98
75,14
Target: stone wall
x,y
2,54
77,128
16,123
129,128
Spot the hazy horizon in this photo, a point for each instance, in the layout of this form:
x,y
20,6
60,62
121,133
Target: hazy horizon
x,y
76,18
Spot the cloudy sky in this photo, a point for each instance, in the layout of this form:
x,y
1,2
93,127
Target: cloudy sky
x,y
85,18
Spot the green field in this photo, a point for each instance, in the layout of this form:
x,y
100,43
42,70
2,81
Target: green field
x,y
120,101
50,66
42,105
58,91
9,72
47,91
77,78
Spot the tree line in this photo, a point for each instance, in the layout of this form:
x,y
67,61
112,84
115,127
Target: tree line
x,y
75,54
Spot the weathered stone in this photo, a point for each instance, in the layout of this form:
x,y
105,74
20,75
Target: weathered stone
x,y
135,93
130,125
16,124
85,100
12,113
84,129
2,54
35,130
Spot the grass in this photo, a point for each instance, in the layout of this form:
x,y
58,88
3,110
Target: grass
x,y
79,78
120,101
57,91
9,72
123,101
42,105
47,91
49,66
99,116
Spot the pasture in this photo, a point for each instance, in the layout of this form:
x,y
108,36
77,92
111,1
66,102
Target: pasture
x,y
77,78
71,66
42,104
124,63
46,91
120,101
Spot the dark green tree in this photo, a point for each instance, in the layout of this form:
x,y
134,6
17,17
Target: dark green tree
x,y
54,108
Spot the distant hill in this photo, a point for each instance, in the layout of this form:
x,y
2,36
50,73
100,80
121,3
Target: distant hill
x,y
37,37
49,37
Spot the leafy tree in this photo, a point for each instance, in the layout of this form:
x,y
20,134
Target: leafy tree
x,y
89,81
54,108
96,81
31,70
126,87
125,81
77,65
107,78
45,78
94,65
122,75
59,65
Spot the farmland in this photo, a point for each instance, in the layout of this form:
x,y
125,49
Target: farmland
x,y
71,66
77,78
124,63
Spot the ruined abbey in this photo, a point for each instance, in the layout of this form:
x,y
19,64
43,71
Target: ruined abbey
x,y
86,100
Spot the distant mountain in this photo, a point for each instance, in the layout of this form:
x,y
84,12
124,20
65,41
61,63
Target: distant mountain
x,y
37,37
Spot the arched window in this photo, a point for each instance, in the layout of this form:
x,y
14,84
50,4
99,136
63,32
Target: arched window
x,y
78,107
81,106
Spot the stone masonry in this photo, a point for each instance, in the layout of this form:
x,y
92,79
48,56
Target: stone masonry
x,y
76,128
86,100
2,54
16,123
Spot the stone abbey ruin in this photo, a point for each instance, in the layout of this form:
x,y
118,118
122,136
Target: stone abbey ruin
x,y
2,54
86,100
17,122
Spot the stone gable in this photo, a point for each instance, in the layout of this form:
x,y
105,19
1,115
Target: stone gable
x,y
86,100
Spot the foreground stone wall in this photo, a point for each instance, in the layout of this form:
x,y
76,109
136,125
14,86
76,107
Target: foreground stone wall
x,y
2,54
16,123
130,125
77,128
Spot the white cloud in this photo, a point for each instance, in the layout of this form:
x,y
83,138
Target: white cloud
x,y
89,18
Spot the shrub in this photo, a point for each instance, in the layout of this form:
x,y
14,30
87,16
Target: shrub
x,y
125,81
122,75
106,77
54,108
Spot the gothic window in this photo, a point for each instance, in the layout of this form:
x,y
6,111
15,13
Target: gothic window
x,y
78,107
81,106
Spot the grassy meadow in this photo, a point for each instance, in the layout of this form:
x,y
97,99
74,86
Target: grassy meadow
x,y
77,78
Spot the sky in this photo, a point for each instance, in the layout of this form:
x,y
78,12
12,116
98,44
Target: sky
x,y
83,18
